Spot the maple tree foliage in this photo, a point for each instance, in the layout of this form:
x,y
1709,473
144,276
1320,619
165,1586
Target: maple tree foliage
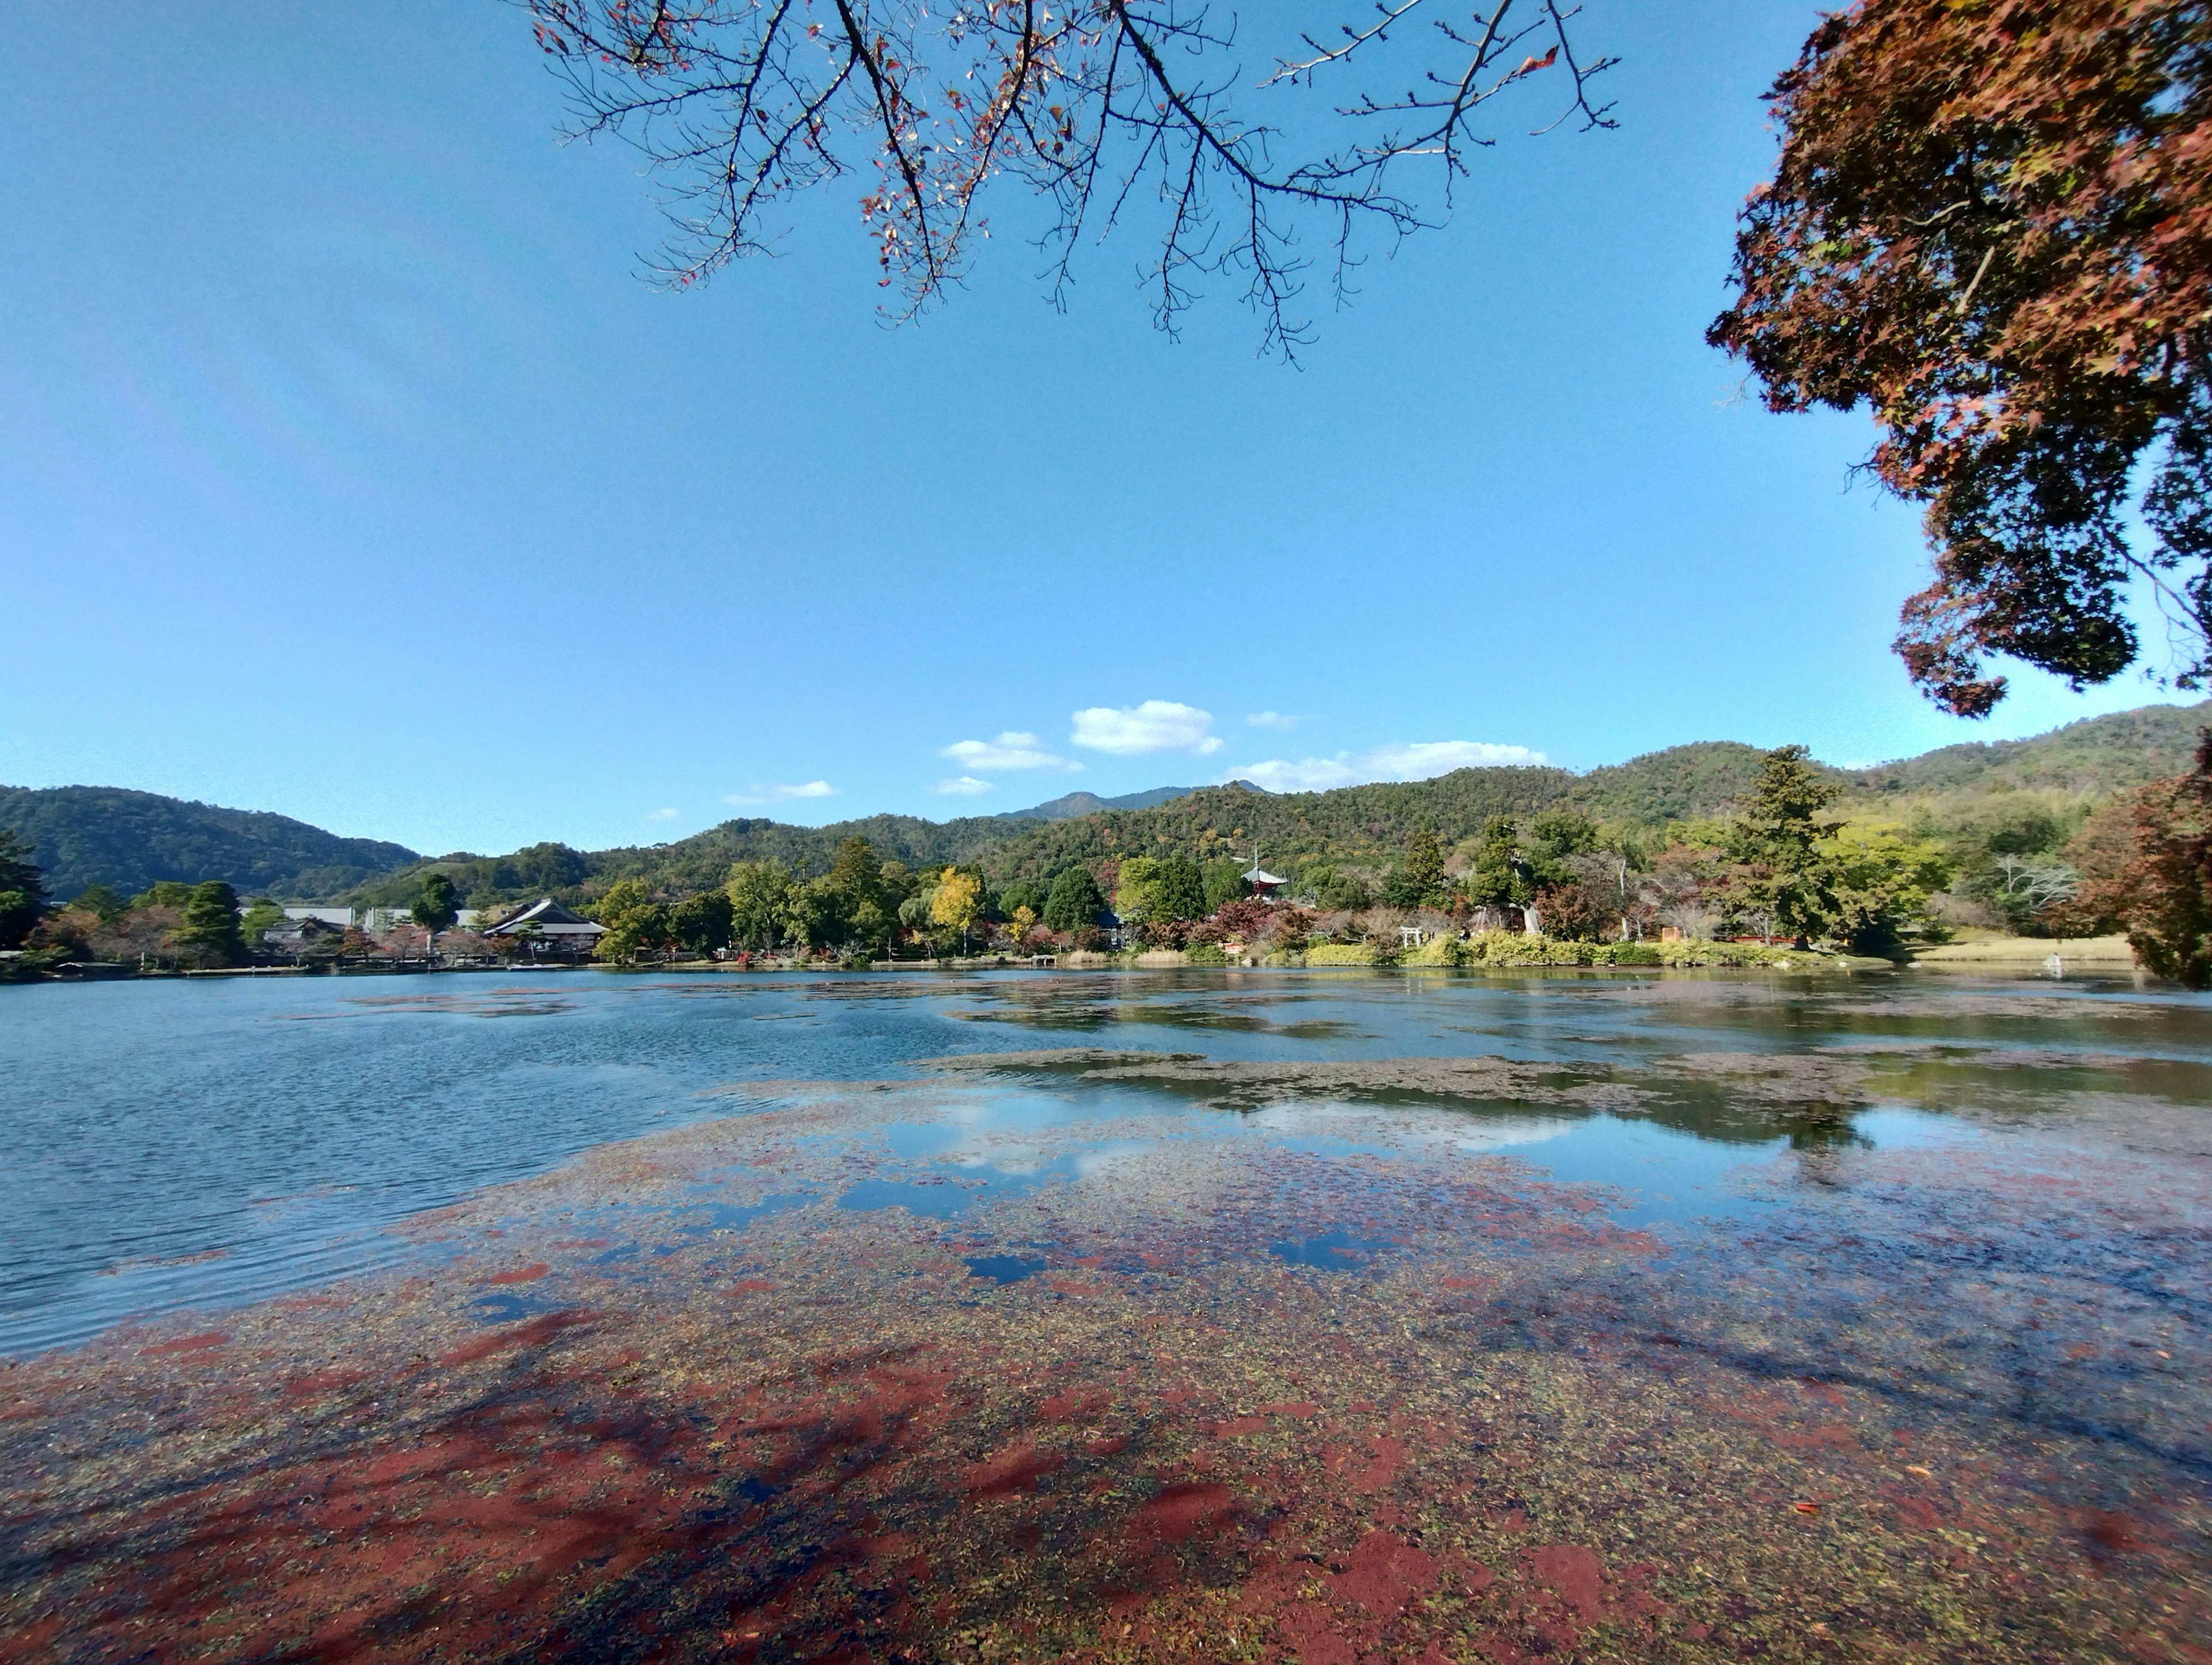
x,y
2156,882
1991,224
1102,106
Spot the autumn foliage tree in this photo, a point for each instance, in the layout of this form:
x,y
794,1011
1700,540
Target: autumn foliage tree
x,y
1991,224
1101,107
2160,888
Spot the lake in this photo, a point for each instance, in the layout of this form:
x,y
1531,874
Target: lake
x,y
1324,1316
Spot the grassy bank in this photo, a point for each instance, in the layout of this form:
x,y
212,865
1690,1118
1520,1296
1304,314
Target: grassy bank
x,y
1991,949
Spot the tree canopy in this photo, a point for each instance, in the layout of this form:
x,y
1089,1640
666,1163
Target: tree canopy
x,y
2158,884
22,890
1991,224
1099,107
209,930
436,906
1074,903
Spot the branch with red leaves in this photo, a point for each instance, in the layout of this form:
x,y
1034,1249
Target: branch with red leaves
x,y
1991,225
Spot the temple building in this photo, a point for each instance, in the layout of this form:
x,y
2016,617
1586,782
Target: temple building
x,y
549,922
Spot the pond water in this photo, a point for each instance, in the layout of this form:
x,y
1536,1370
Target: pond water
x,y
1316,1316
168,1145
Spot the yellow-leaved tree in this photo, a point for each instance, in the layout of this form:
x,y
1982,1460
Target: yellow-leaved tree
x,y
957,901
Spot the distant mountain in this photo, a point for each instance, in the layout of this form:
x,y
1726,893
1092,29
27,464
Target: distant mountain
x,y
87,836
1088,803
96,834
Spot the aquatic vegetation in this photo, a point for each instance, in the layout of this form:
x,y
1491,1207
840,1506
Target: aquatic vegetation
x,y
1588,1319
1187,1391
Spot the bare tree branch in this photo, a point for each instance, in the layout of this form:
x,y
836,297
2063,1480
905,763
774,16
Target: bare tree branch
x,y
1094,105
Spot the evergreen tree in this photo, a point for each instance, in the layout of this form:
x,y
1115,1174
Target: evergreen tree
x,y
1074,903
22,891
1224,882
209,930
1180,890
1500,879
100,899
1782,876
1424,868
866,906
435,906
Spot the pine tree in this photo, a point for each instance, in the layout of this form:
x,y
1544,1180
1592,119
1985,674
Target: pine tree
x,y
1074,903
1424,868
210,931
1784,877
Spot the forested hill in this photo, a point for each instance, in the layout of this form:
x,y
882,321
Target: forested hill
x,y
87,835
2091,757
1685,781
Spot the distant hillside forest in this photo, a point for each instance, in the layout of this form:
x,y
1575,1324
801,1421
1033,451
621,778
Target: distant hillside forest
x,y
130,841
1991,807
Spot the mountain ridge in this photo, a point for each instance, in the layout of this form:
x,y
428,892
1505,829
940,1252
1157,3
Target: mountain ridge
x,y
83,835
1069,806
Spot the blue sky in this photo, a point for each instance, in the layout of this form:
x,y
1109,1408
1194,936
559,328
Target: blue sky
x,y
351,470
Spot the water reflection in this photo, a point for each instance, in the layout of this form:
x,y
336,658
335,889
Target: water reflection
x,y
171,1145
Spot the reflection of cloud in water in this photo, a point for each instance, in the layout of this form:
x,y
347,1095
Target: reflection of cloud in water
x,y
1365,1128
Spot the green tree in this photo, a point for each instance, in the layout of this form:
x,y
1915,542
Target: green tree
x,y
635,923
22,891
760,903
1224,882
701,923
261,915
435,907
1027,893
1074,903
1424,868
1182,888
1877,883
1500,879
1138,897
1557,833
855,901
1781,875
100,899
210,929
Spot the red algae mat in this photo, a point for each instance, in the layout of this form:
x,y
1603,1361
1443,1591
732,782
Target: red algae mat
x,y
1334,1386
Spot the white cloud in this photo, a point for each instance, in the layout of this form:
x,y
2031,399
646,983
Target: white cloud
x,y
1274,719
1137,731
1009,750
966,786
1419,760
780,794
664,814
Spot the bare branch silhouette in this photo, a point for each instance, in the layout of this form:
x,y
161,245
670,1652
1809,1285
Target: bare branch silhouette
x,y
1099,106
